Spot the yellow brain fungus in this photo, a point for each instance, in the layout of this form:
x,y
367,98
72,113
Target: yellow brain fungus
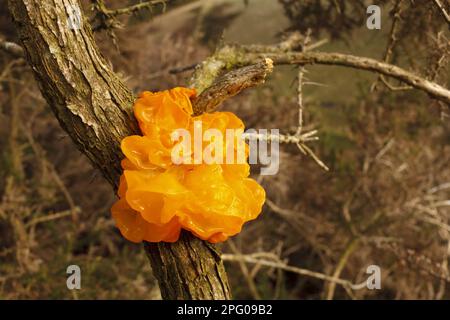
x,y
158,198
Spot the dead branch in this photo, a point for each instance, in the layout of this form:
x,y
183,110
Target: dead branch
x,y
12,48
231,84
51,217
393,39
245,272
106,18
237,55
138,7
443,11
277,264
432,89
174,70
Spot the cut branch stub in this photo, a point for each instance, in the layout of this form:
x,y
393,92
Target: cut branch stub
x,y
231,84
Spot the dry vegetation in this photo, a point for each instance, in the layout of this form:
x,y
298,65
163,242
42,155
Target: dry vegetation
x,y
385,200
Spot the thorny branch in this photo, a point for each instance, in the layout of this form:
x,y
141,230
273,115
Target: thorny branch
x,y
296,50
229,56
301,143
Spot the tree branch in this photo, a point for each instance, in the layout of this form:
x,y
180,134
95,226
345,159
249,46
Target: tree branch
x,y
137,7
231,84
230,56
272,261
431,88
106,18
12,48
95,108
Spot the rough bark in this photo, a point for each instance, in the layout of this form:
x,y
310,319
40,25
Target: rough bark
x,y
89,100
94,107
189,269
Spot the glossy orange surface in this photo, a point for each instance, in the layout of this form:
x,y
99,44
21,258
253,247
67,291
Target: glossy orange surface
x,y
158,198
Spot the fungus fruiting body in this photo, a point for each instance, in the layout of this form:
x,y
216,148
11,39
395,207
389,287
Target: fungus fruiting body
x,y
158,198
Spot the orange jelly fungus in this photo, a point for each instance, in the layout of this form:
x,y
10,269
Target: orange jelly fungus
x,y
159,198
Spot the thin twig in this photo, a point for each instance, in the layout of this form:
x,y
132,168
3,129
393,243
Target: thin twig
x,y
301,70
248,277
254,259
175,70
51,217
340,266
443,284
290,215
39,152
444,12
12,48
138,7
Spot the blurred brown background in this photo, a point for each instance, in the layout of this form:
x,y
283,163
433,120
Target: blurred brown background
x,y
385,200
